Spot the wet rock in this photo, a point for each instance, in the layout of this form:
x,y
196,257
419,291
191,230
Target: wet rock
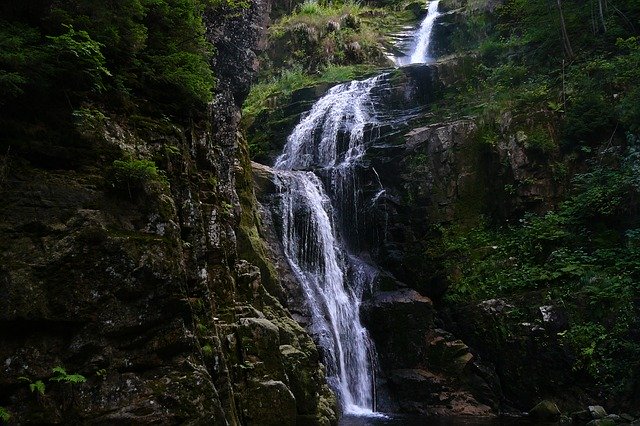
x,y
269,403
582,416
545,410
554,318
445,353
421,391
495,331
390,311
597,411
626,417
495,306
601,422
152,295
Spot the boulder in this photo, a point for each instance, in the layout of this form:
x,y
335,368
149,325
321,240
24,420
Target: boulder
x,y
269,403
601,422
554,318
597,412
390,311
545,410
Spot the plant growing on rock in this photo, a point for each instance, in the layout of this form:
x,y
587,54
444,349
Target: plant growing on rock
x,y
133,175
34,386
5,416
61,375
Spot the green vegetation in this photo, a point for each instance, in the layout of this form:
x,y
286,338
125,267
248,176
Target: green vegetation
x,y
133,175
278,89
586,80
319,34
562,80
61,375
37,385
320,42
5,416
585,254
145,57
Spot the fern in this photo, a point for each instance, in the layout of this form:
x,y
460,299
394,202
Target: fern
x,y
4,414
61,375
38,385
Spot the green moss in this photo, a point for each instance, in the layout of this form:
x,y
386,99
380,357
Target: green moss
x,y
251,246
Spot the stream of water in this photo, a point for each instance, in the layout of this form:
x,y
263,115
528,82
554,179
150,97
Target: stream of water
x,y
329,141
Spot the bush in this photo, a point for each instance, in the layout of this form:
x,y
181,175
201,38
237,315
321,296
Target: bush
x,y
130,54
133,175
78,59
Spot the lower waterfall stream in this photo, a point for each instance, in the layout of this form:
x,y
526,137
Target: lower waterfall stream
x,y
316,180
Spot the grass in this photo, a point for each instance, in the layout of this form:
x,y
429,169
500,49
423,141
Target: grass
x,y
270,94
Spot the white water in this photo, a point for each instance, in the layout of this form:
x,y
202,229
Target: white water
x,y
346,108
419,53
331,139
330,136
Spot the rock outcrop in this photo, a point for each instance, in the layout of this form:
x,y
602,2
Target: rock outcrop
x,y
418,173
158,293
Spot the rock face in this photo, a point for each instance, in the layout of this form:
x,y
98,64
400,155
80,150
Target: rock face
x,y
161,295
422,369
529,358
419,173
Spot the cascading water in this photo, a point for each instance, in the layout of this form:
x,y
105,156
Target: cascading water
x,y
345,110
313,252
419,53
331,137
328,144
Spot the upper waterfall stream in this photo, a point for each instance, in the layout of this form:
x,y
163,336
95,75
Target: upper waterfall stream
x,y
316,180
421,40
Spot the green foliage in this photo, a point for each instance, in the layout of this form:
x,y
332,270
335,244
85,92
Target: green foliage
x,y
17,57
207,350
5,416
524,67
585,339
586,254
319,34
133,175
134,54
37,385
266,95
61,375
79,57
188,73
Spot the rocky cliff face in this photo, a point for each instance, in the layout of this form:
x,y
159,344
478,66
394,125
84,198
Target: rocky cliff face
x,y
422,172
158,292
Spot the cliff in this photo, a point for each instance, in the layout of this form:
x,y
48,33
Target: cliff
x,y
151,282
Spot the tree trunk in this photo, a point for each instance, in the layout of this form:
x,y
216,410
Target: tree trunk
x,y
601,10
565,37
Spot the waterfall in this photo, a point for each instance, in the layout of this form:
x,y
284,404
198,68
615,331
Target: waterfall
x,y
330,137
343,113
313,251
320,200
419,53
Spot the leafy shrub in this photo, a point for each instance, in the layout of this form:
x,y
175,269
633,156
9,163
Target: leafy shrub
x,y
588,118
133,175
79,58
127,53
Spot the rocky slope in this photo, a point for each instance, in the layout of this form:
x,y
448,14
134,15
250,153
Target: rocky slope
x,y
437,172
156,291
